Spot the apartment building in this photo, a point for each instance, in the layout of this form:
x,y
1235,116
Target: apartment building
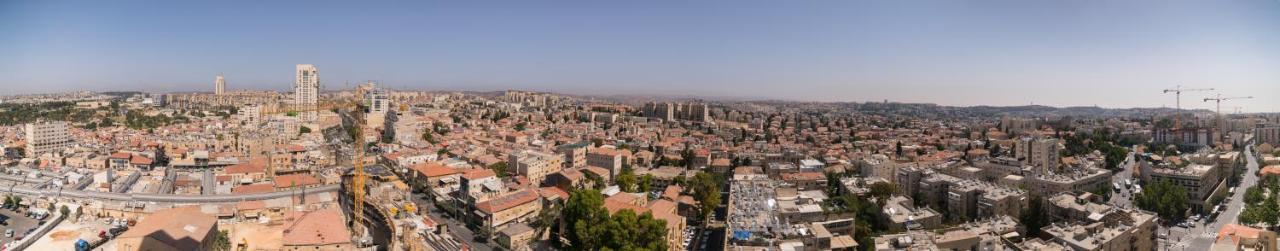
x,y
47,137
1203,183
534,165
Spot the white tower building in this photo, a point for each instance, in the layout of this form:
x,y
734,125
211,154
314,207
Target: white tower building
x,y
306,90
219,85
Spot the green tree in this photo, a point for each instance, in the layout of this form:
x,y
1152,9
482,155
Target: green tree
x,y
1253,195
221,241
881,191
1034,216
645,182
584,210
500,168
304,130
706,189
1166,199
626,181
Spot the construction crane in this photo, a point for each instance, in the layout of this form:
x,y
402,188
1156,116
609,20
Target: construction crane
x,y
1218,101
358,147
1177,93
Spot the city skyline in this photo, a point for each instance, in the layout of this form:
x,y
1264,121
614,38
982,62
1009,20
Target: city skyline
x,y
1108,54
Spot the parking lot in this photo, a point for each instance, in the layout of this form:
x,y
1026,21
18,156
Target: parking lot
x,y
18,223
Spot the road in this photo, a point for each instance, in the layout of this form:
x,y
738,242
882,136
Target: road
x,y
1124,197
1202,236
172,198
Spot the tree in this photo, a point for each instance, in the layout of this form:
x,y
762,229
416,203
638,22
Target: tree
x,y
1034,216
500,168
304,130
626,181
221,241
898,146
706,189
881,191
64,210
1166,199
1253,195
645,181
592,228
584,209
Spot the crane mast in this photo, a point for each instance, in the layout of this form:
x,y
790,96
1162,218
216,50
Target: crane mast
x,y
1177,93
357,164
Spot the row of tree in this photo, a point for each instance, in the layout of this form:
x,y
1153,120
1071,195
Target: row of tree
x,y
589,226
1165,199
1258,206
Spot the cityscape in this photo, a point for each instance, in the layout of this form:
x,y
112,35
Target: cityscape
x,y
252,154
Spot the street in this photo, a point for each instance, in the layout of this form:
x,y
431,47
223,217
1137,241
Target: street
x,y
1202,235
1124,197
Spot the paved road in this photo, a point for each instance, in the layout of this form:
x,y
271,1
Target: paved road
x,y
174,198
209,184
1202,236
1124,197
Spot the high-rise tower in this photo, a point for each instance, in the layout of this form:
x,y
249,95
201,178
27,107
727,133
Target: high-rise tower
x,y
219,85
306,90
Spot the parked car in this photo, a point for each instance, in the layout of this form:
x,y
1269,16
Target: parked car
x,y
8,233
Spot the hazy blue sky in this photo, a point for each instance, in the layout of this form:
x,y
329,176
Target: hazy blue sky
x,y
1106,53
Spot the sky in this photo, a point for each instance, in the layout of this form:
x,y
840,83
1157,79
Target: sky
x,y
987,52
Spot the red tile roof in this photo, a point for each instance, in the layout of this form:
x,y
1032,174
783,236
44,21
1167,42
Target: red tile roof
x,y
293,180
120,156
478,174
139,160
258,165
252,189
184,228
316,228
508,201
553,192
434,170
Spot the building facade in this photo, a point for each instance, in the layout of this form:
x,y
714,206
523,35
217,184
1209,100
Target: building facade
x,y
47,137
219,85
306,90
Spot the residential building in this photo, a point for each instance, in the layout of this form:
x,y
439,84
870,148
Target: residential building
x,y
306,90
1118,229
575,155
1234,237
534,165
1267,133
1040,153
608,158
219,85
1203,183
47,137
183,228
514,207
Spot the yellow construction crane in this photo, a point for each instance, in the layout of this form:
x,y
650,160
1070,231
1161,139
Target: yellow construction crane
x,y
357,157
1177,93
